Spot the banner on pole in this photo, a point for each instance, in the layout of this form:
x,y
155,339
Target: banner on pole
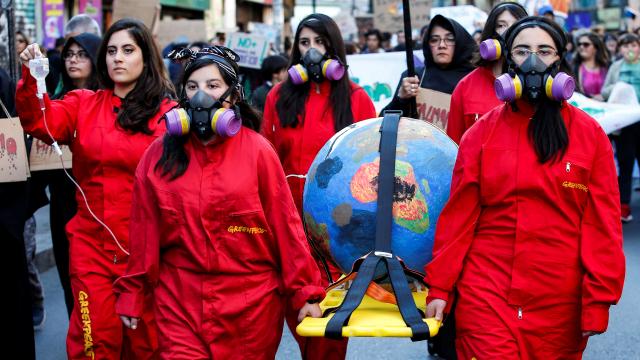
x,y
93,8
53,21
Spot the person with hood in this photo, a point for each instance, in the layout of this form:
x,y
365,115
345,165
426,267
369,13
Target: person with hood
x,y
108,131
530,240
214,226
474,96
448,50
300,116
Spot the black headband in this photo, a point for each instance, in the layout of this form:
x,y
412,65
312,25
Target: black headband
x,y
224,57
558,38
507,4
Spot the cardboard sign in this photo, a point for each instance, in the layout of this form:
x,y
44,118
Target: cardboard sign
x,y
388,16
13,152
170,30
43,157
251,48
141,10
433,107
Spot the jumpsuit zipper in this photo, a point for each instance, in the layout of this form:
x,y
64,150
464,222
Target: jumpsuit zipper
x,y
317,88
519,313
476,119
568,166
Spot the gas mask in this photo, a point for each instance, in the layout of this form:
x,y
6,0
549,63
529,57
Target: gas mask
x,y
316,66
492,49
534,79
204,116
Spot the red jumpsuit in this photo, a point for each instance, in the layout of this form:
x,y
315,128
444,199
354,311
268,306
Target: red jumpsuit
x,y
220,247
533,251
104,162
473,97
297,147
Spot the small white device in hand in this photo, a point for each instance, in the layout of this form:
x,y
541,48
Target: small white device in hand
x,y
39,69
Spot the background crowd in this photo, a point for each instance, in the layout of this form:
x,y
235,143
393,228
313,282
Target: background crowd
x,y
596,59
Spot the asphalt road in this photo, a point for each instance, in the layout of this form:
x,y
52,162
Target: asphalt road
x,y
621,341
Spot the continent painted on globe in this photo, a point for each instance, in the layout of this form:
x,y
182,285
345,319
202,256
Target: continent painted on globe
x,y
409,204
326,170
357,229
318,233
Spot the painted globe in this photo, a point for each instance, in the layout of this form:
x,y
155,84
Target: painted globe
x,y
340,194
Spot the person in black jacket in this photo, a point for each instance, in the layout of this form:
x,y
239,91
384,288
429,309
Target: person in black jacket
x,y
448,53
15,283
274,70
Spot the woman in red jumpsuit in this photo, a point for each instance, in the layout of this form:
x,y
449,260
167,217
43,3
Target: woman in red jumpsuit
x,y
530,240
300,118
108,131
474,95
215,235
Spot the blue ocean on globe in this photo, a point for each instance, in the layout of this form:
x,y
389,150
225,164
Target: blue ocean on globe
x,y
340,194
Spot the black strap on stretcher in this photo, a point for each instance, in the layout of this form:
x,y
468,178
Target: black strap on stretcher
x,y
382,253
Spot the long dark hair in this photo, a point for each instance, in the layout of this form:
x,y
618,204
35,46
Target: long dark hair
x,y
153,85
489,30
291,99
602,55
546,128
174,160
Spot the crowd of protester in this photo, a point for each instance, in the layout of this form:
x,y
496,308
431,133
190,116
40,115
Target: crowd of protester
x,y
80,76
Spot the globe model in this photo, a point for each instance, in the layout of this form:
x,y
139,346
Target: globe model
x,y
341,192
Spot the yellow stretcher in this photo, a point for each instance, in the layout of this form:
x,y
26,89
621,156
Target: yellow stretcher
x,y
373,318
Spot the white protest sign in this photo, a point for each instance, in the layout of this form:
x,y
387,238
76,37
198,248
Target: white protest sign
x,y
251,48
610,116
270,32
469,16
378,74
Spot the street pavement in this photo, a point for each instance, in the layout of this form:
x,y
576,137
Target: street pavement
x,y
621,341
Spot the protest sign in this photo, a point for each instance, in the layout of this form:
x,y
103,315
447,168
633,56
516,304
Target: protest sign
x,y
144,11
192,30
13,152
433,107
43,157
387,14
251,48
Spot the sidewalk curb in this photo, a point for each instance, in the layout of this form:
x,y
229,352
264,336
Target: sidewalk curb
x,y
45,260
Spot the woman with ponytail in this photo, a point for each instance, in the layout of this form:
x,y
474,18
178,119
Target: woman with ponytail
x,y
215,235
300,115
530,241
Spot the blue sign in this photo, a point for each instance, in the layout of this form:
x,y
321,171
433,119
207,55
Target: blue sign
x,y
578,20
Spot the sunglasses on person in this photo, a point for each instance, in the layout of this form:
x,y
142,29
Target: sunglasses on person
x,y
584,44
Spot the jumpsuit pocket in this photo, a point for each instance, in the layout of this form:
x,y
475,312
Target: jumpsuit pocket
x,y
497,174
170,207
470,118
245,231
572,178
